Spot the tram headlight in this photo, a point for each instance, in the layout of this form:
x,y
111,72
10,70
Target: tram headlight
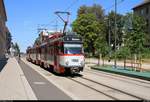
x,y
82,63
67,63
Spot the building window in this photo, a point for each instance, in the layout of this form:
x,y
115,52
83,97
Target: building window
x,y
147,10
142,12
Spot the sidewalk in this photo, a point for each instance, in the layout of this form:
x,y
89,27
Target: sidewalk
x,y
13,84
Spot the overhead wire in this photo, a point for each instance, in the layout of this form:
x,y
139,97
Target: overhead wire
x,y
119,2
55,20
70,6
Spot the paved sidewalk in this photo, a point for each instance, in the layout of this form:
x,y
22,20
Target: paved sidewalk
x,y
13,83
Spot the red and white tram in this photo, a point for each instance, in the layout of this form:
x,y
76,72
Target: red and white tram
x,y
62,53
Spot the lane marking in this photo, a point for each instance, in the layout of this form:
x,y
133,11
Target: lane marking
x,y
39,83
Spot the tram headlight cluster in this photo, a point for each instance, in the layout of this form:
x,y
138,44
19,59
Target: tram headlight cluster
x,y
67,63
82,63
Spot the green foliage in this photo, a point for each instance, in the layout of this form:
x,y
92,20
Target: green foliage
x,y
111,24
128,22
123,52
95,10
16,46
136,37
9,39
146,53
87,26
131,31
101,46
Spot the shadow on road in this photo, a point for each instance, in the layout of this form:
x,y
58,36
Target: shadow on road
x,y
60,75
3,62
63,75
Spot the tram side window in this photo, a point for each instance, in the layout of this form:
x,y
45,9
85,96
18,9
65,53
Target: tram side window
x,y
50,50
61,50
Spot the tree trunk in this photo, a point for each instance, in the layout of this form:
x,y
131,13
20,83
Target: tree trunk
x,y
124,63
99,59
100,56
140,62
135,61
131,62
103,61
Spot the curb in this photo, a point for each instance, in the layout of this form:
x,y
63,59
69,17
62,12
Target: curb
x,y
58,86
121,73
28,90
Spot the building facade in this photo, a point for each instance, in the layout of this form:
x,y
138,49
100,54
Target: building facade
x,y
143,10
3,30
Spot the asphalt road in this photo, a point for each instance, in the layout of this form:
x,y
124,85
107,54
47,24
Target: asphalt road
x,y
43,89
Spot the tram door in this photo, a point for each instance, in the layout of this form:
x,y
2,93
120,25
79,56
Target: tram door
x,y
56,59
45,54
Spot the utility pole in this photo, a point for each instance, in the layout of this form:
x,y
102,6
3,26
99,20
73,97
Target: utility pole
x,y
109,40
115,63
109,30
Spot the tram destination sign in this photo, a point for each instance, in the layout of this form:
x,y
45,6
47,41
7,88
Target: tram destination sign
x,y
72,38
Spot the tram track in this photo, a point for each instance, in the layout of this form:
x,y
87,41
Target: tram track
x,y
114,98
115,77
108,92
110,95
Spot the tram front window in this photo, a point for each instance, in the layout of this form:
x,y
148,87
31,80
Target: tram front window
x,y
73,49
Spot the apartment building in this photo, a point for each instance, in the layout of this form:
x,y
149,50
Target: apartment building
x,y
3,30
143,9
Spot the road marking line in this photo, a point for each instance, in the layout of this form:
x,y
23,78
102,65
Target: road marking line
x,y
39,83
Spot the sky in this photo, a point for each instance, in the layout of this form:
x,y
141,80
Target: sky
x,y
26,16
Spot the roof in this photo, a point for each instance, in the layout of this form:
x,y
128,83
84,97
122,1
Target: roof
x,y
55,35
146,2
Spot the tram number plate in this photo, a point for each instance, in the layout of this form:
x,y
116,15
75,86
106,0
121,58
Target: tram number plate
x,y
75,60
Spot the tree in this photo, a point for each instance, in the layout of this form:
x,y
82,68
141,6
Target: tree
x,y
102,47
136,35
95,10
123,53
87,26
9,39
16,47
83,10
111,27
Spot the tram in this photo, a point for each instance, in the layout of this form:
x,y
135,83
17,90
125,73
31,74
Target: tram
x,y
63,53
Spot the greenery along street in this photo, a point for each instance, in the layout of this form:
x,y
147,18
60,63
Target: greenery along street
x,y
98,32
